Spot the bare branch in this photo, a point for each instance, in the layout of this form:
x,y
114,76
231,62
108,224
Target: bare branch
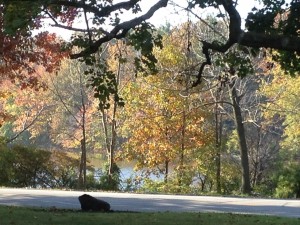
x,y
27,126
103,11
70,28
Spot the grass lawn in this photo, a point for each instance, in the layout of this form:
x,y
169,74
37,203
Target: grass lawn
x,y
37,216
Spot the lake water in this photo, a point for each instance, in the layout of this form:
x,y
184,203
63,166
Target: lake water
x,y
128,174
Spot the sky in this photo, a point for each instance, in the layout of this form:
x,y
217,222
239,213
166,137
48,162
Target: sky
x,y
168,14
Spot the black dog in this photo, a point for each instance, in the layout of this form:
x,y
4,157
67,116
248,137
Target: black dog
x,y
89,203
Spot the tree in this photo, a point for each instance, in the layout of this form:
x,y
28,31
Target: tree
x,y
264,27
117,59
246,186
163,125
283,94
283,97
58,117
26,109
23,54
71,118
161,130
222,79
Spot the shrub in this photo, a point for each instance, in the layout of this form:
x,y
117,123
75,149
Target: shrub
x,y
112,182
288,185
23,167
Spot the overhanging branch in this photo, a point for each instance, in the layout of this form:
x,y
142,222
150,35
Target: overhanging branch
x,y
120,30
234,36
248,39
103,11
279,42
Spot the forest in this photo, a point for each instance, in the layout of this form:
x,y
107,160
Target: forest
x,y
188,115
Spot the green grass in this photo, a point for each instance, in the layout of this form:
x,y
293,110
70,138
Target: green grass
x,y
37,216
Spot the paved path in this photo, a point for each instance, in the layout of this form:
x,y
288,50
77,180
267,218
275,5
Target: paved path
x,y
152,203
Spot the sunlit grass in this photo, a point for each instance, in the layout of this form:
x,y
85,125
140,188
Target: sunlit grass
x,y
37,216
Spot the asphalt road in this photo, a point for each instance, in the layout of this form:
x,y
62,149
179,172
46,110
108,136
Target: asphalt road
x,y
152,203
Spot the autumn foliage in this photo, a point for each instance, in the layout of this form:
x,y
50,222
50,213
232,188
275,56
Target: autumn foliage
x,y
25,58
22,53
170,110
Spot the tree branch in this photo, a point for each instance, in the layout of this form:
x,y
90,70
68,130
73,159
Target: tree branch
x,y
279,42
120,30
234,35
103,11
249,39
27,126
70,28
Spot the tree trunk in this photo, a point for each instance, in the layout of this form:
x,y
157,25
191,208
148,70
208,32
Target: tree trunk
x,y
168,139
111,140
166,171
82,168
256,160
110,143
181,163
218,148
80,177
246,187
218,136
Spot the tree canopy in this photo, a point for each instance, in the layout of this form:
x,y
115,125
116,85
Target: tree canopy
x,y
276,25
